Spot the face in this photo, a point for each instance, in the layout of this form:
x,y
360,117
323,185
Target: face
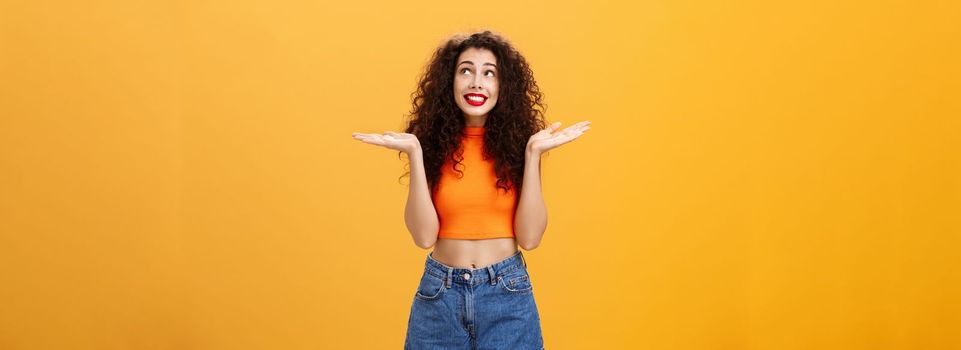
x,y
476,82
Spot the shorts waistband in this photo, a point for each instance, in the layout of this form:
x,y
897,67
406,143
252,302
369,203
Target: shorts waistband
x,y
484,274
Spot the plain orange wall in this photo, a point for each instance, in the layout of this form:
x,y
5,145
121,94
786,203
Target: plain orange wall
x,y
759,175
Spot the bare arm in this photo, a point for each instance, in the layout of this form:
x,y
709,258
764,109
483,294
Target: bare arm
x,y
420,214
530,221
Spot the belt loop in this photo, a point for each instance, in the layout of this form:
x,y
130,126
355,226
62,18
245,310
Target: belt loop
x,y
450,275
522,258
490,270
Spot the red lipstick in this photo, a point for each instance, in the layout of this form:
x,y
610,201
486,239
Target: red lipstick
x,y
478,100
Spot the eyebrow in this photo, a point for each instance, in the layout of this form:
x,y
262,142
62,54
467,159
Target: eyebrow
x,y
472,63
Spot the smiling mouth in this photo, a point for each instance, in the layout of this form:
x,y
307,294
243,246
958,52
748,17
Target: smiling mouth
x,y
475,99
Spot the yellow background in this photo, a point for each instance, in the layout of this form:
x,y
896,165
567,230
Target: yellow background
x,y
759,174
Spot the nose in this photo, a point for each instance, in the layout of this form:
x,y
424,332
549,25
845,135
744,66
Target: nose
x,y
474,82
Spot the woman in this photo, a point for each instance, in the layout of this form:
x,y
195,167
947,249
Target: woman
x,y
474,141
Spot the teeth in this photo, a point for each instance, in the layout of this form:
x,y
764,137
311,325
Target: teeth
x,y
475,98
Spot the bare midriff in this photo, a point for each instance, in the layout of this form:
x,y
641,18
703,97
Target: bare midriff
x,y
473,253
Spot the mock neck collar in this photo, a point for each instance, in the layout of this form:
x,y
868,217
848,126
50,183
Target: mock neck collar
x,y
474,130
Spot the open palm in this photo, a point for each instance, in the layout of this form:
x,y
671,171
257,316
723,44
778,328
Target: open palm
x,y
400,141
547,139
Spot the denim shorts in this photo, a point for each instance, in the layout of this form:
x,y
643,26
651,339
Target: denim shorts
x,y
490,307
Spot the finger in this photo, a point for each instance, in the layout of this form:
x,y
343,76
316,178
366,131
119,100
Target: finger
x,y
375,140
360,134
553,126
569,129
366,140
576,127
573,130
569,136
582,128
565,138
579,125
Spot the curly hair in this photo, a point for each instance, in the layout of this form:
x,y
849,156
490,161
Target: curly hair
x,y
439,124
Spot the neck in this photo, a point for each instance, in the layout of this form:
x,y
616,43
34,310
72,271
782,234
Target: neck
x,y
476,121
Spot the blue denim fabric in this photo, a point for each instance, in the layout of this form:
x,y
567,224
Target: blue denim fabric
x,y
490,307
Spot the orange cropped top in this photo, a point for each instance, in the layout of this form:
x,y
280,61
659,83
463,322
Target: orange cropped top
x,y
471,206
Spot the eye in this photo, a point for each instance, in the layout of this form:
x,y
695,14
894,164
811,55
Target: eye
x,y
462,70
491,73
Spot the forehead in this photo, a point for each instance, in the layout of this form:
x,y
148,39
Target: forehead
x,y
476,55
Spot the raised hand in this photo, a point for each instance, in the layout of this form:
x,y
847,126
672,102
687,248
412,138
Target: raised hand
x,y
547,139
399,141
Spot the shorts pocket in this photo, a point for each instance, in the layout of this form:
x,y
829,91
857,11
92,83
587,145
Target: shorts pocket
x,y
519,282
430,287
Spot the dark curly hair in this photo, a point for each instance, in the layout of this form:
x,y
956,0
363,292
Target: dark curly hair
x,y
439,124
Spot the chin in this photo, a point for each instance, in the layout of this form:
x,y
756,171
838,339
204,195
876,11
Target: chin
x,y
475,114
